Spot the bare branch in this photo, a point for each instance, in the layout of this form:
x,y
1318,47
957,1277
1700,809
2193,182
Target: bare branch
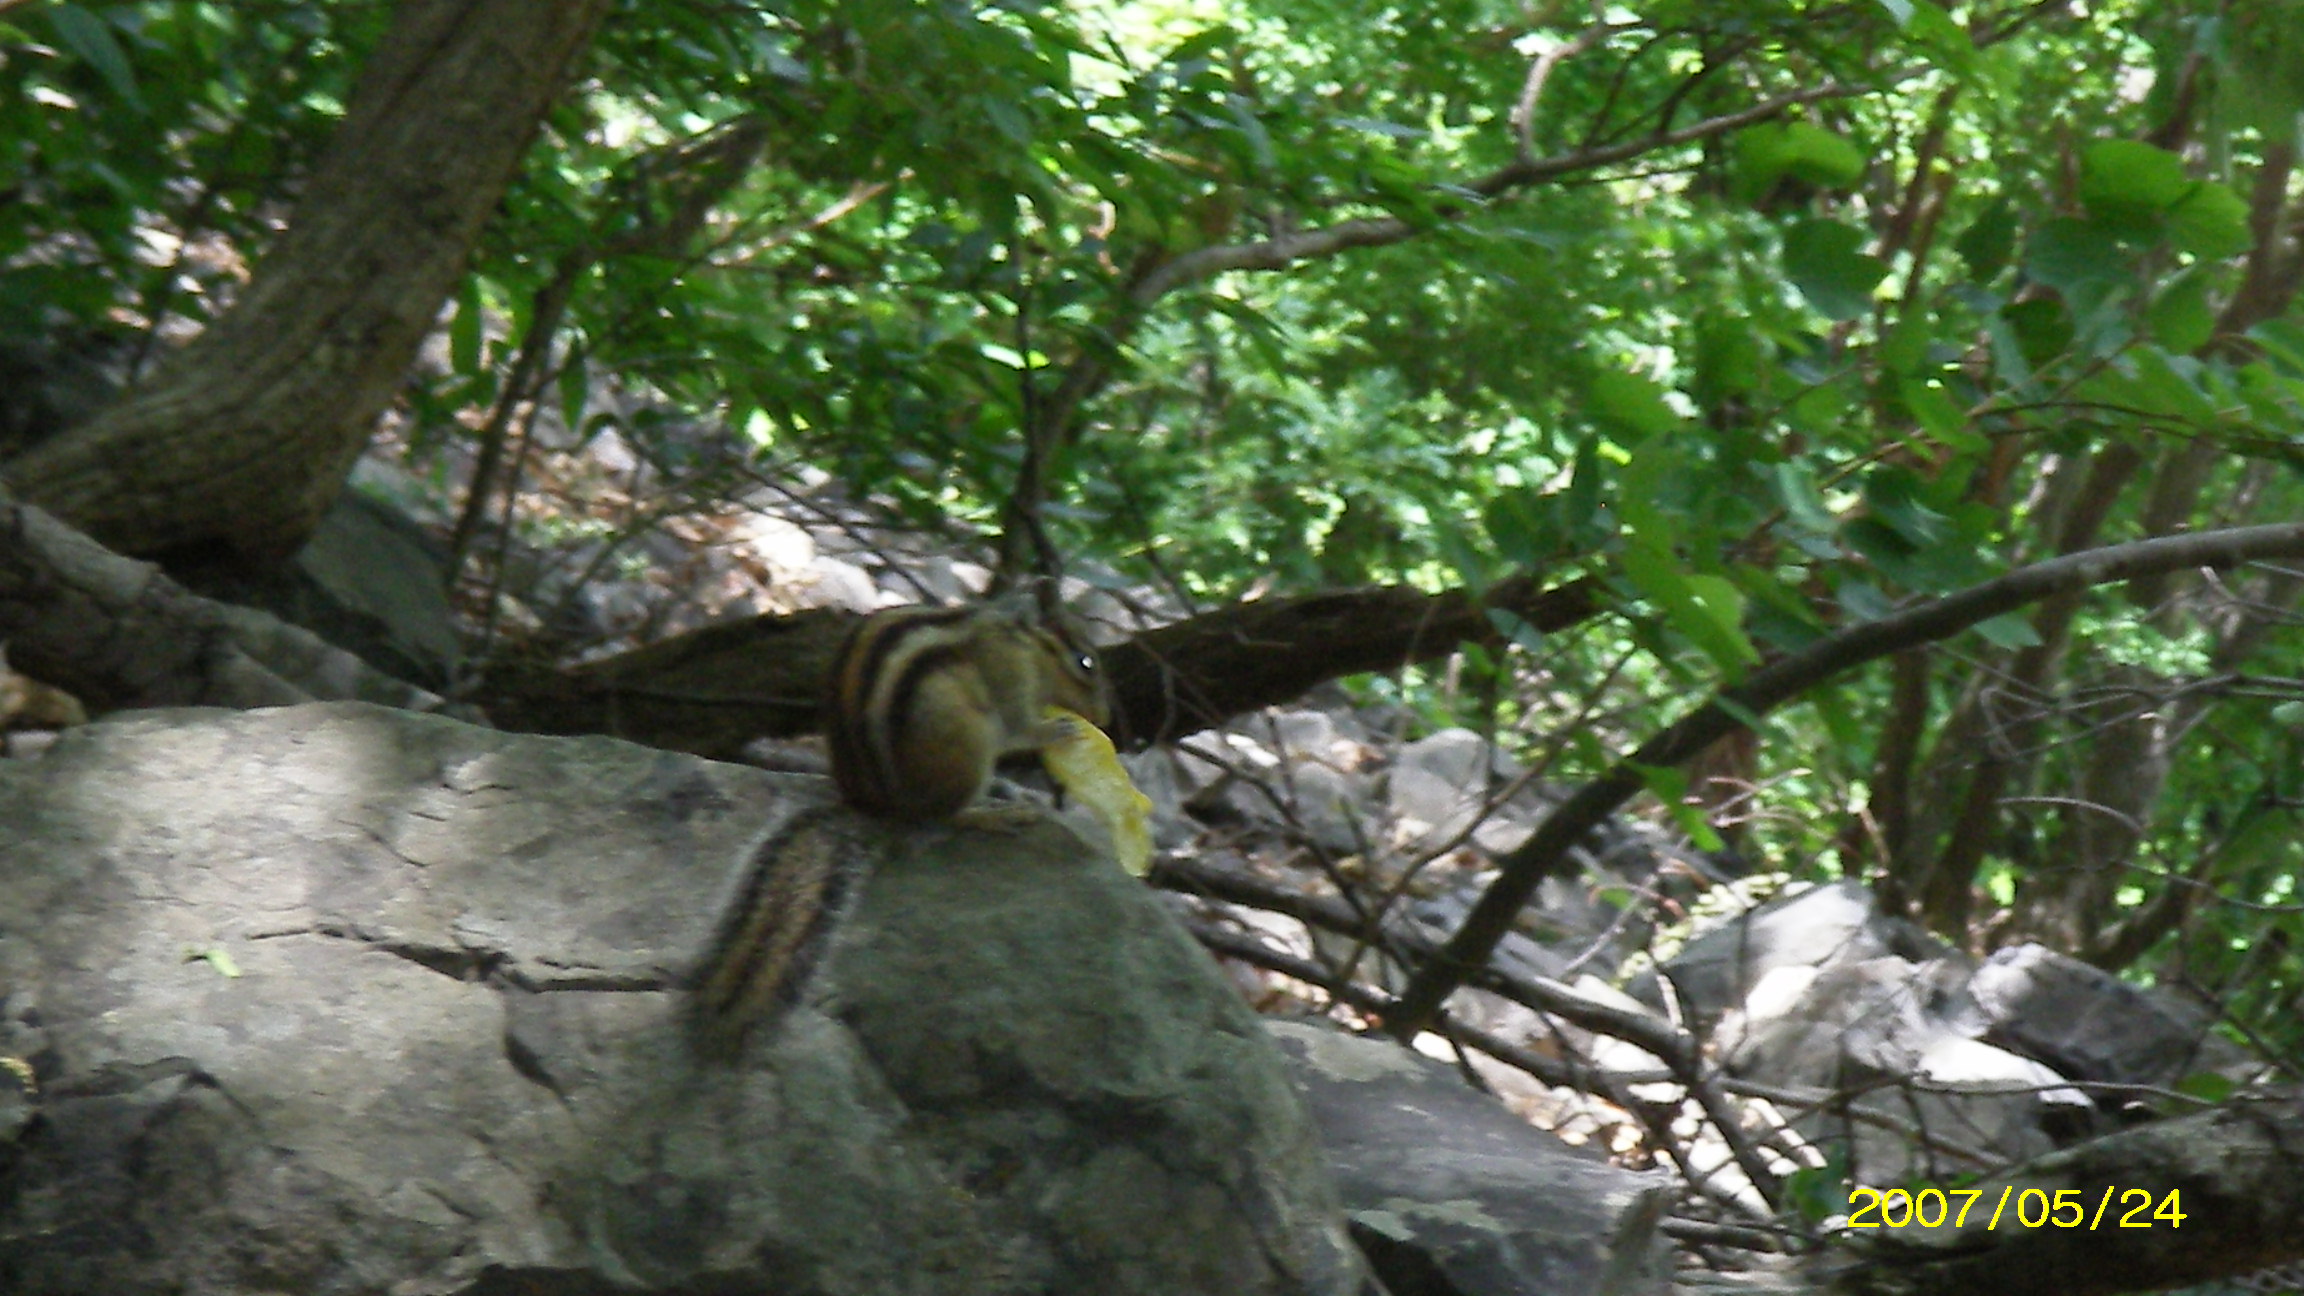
x,y
1680,1052
1540,71
2269,278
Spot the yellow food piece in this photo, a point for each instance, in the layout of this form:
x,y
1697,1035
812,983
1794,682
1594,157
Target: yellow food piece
x,y
1085,764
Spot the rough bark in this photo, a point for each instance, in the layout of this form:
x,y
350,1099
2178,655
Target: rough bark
x,y
243,439
117,634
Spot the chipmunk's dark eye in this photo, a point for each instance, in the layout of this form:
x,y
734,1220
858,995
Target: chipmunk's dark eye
x,y
1086,663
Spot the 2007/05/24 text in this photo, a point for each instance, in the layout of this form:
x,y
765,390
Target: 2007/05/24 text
x,y
2035,1208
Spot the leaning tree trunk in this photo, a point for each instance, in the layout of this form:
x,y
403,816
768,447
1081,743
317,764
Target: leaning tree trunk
x,y
244,437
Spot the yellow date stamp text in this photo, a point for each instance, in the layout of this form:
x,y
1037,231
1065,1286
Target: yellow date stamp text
x,y
2031,1208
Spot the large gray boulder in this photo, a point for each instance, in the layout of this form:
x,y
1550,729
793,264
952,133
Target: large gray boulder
x,y
340,999
1453,1195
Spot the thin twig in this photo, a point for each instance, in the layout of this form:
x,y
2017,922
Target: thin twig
x,y
1540,71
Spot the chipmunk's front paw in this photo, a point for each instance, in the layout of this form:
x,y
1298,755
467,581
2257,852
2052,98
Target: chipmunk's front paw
x,y
1008,818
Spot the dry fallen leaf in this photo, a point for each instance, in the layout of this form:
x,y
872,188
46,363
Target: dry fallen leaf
x,y
1085,764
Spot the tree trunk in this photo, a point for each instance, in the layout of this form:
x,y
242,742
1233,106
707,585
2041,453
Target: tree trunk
x,y
2010,750
244,437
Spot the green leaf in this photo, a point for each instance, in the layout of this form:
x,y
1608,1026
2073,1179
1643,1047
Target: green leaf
x,y
1669,785
2122,174
1845,730
2262,65
1728,358
1905,348
1706,610
1632,403
1933,409
1740,713
1722,604
1006,119
1893,495
2042,327
2009,630
1933,568
2208,1086
2273,401
2149,383
2171,385
2211,223
1522,633
1884,545
2069,255
1988,241
464,331
1767,153
2180,317
1795,489
1934,33
215,956
2284,341
1776,612
90,37
2141,191
1699,829
576,389
1817,1193
1641,497
1200,43
1825,409
1821,258
1524,526
1864,600
1590,525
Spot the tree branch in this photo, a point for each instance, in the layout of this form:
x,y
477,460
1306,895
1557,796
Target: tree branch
x,y
1782,680
1682,1055
1540,71
1284,251
116,633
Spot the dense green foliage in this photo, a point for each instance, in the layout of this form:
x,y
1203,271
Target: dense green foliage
x,y
145,149
1772,314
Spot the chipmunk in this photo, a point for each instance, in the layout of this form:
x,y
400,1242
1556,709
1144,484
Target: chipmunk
x,y
922,703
